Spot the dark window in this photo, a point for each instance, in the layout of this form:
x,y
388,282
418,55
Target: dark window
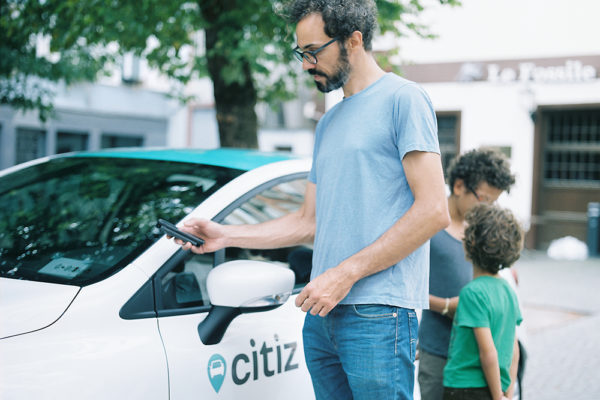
x,y
31,144
284,148
67,142
448,137
111,141
571,154
78,220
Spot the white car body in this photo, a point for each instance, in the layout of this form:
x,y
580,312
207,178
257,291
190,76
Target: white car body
x,y
62,341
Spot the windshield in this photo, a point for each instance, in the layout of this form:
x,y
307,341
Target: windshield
x,y
79,220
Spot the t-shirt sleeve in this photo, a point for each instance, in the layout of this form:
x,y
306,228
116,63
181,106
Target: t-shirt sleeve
x,y
415,121
312,175
472,311
517,306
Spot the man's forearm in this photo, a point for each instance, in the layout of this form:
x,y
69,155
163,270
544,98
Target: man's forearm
x,y
438,304
289,230
427,215
410,232
292,229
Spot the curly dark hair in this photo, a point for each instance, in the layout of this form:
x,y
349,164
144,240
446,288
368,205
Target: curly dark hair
x,y
341,17
493,238
481,165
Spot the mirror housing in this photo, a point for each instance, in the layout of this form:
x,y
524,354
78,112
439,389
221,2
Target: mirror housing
x,y
242,286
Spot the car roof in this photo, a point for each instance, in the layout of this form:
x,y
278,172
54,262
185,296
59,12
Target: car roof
x,y
242,159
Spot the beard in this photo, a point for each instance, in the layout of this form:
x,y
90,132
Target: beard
x,y
339,77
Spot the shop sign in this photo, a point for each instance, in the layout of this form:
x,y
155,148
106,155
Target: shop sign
x,y
570,71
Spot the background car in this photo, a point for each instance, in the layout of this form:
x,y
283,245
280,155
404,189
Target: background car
x,y
95,302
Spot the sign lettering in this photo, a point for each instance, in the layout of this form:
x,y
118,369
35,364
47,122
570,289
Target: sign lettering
x,y
275,359
571,71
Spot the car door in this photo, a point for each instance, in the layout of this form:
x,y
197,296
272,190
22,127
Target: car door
x,y
261,354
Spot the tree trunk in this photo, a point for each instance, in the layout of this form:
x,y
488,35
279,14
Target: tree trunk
x,y
235,102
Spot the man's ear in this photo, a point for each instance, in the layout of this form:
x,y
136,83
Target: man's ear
x,y
355,41
459,187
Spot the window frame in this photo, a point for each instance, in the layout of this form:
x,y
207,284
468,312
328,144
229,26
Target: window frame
x,y
218,257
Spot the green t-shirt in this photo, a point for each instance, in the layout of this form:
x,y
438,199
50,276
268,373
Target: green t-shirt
x,y
485,302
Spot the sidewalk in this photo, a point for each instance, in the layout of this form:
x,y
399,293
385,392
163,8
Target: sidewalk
x,y
561,308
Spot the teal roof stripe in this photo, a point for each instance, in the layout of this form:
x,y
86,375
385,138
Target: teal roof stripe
x,y
231,158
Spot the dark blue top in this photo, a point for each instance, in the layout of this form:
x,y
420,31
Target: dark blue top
x,y
449,273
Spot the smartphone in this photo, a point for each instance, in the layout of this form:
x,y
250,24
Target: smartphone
x,y
171,230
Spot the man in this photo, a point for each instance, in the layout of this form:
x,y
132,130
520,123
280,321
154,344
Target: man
x,y
474,177
374,198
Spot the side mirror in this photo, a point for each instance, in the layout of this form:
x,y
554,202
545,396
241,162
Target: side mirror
x,y
239,287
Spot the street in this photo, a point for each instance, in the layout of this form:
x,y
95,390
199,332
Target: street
x,y
561,308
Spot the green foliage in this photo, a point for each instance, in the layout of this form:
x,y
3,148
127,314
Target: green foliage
x,y
95,210
88,37
23,72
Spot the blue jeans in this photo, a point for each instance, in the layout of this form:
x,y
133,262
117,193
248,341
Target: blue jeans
x,y
362,352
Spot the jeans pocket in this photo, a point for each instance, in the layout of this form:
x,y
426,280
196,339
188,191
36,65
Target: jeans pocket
x,y
413,328
374,311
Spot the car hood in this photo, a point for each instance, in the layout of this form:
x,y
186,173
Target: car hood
x,y
27,306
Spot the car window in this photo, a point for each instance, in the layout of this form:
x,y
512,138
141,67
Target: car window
x,y
78,220
184,285
274,202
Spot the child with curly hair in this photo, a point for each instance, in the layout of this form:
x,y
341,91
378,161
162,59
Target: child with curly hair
x,y
479,175
482,359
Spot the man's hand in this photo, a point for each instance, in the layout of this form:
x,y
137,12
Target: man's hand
x,y
325,291
212,233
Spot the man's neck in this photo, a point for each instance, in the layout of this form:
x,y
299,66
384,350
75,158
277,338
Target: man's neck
x,y
457,220
365,72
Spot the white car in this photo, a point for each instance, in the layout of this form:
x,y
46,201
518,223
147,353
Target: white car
x,y
96,303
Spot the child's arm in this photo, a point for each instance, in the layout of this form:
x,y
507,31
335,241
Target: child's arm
x,y
489,361
514,366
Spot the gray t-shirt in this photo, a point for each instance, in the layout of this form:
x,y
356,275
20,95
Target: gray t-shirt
x,y
362,188
449,273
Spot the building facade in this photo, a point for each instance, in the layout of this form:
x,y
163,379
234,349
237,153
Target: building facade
x,y
544,114
87,117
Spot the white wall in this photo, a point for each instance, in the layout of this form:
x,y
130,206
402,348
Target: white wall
x,y
498,114
107,99
494,115
301,141
505,29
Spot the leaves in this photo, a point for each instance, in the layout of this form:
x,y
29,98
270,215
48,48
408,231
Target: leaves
x,y
83,38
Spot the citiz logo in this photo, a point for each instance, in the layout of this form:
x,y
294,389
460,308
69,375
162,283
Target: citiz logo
x,y
275,359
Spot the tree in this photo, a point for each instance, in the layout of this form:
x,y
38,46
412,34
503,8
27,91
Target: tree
x,y
244,43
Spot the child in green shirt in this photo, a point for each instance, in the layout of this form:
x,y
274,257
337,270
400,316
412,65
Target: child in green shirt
x,y
483,354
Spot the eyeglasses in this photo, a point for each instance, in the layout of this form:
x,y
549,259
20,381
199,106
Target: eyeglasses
x,y
474,193
481,199
310,55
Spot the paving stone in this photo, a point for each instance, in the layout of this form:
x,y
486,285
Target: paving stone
x,y
561,308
